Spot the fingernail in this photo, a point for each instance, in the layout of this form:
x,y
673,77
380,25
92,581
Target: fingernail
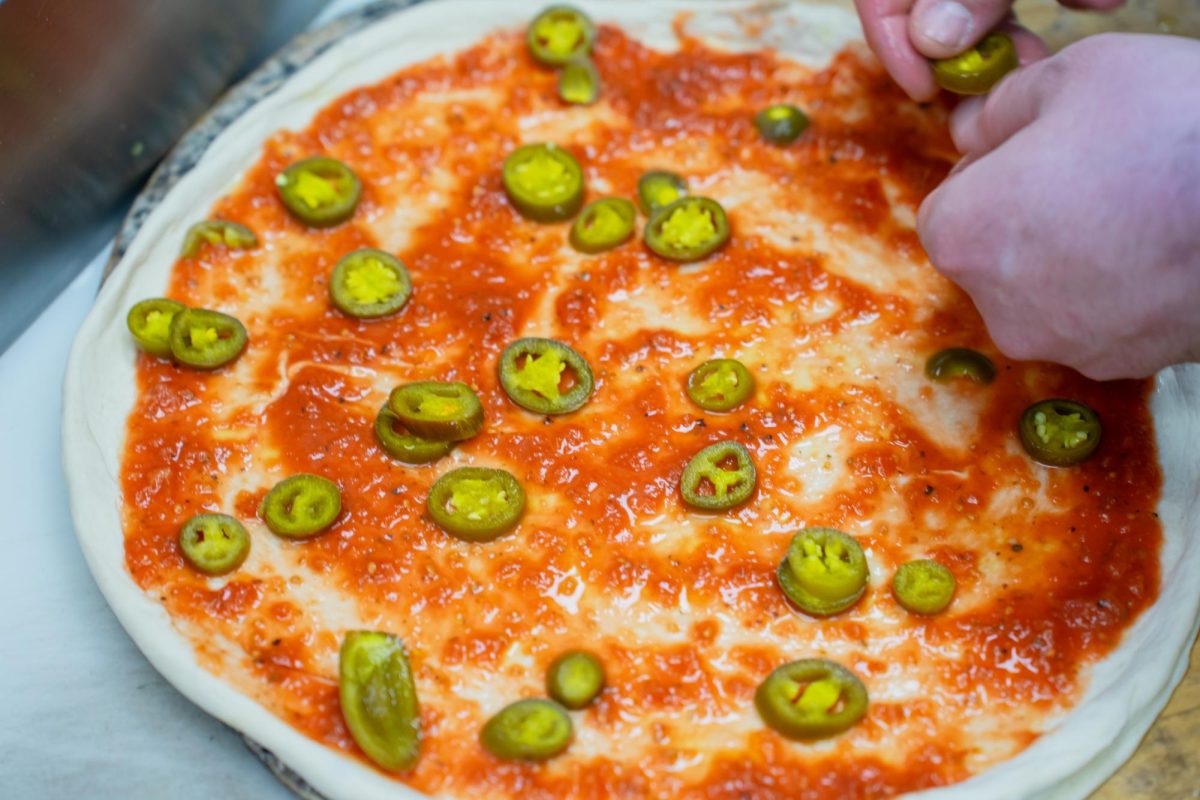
x,y
947,23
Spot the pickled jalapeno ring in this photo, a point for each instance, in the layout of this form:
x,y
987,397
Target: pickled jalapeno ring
x,y
534,374
217,232
690,229
320,192
544,182
811,699
476,504
215,544
719,477
378,697
560,34
1060,433
824,573
977,70
528,730
301,506
369,283
149,322
205,339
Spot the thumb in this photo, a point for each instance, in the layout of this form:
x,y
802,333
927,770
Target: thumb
x,y
944,28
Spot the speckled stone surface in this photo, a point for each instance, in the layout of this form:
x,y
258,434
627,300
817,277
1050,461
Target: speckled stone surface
x,y
1167,764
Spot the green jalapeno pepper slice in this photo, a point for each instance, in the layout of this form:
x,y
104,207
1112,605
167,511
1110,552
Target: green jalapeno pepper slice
x,y
825,571
575,679
690,229
544,182
960,362
721,384
369,283
658,189
781,123
320,191
378,696
233,235
579,83
215,544
476,503
438,410
1060,433
604,224
560,34
149,322
528,730
811,699
534,374
923,586
719,477
205,339
301,506
406,447
977,70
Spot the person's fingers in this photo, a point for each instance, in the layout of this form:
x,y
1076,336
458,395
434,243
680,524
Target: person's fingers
x,y
944,28
981,124
1030,47
885,24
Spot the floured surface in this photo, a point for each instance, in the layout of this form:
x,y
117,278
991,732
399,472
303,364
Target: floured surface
x,y
823,292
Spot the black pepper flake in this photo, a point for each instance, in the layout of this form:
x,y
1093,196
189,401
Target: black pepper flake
x,y
487,317
928,490
1016,548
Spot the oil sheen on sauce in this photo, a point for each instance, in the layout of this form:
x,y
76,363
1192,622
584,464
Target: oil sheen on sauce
x,y
823,292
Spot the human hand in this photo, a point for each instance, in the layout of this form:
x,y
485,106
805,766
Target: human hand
x,y
905,34
1073,220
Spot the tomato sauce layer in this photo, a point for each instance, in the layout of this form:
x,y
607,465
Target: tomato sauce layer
x,y
823,293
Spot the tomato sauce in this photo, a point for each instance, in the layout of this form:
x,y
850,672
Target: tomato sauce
x,y
1052,565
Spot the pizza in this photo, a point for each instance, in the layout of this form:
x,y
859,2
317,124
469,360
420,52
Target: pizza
x,y
565,407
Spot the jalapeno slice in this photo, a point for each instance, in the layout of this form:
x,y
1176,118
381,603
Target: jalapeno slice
x,y
379,699
301,506
719,477
689,229
528,730
369,283
406,447
149,322
543,182
781,123
438,410
960,362
206,339
217,232
603,225
534,374
575,679
658,189
320,192
824,573
923,586
476,503
215,544
579,83
1060,433
977,70
720,385
560,34
811,699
